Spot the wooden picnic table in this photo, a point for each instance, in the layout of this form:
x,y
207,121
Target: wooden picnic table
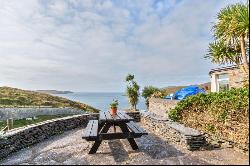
x,y
97,130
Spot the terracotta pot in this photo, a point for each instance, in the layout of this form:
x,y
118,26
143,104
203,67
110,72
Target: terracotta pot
x,y
113,111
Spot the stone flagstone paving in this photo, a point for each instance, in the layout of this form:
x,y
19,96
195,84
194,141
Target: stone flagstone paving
x,y
69,148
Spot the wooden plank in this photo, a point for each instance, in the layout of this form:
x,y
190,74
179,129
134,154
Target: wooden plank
x,y
132,128
126,115
135,128
91,130
109,116
105,115
138,127
102,115
111,119
117,117
111,136
122,117
131,141
95,146
87,130
94,129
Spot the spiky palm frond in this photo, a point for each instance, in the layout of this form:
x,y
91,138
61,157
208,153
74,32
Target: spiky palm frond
x,y
220,53
233,21
242,12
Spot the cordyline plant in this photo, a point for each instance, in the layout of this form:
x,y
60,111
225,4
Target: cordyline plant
x,y
132,91
231,33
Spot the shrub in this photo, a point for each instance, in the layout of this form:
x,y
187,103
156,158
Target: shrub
x,y
173,115
224,114
218,104
148,91
132,92
159,94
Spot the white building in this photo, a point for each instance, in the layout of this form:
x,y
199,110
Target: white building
x,y
225,78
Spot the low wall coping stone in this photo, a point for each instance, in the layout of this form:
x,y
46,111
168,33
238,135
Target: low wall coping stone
x,y
191,138
20,129
175,125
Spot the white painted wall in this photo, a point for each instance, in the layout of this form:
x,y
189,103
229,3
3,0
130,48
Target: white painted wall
x,y
214,83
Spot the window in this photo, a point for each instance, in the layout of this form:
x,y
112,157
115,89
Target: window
x,y
223,82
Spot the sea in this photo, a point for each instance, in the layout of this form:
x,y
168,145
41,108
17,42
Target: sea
x,y
101,100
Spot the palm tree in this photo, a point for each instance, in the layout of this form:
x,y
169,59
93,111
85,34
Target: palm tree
x,y
222,54
231,34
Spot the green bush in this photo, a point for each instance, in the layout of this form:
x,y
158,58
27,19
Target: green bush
x,y
173,115
218,104
211,128
159,94
223,115
148,91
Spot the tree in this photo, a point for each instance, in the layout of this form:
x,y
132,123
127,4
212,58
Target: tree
x,y
231,33
148,91
132,91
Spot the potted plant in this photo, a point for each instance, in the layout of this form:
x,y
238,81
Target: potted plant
x,y
113,107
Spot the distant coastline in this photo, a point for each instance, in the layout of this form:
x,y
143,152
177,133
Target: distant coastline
x,y
54,91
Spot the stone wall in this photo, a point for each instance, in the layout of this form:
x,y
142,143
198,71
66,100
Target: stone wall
x,y
161,106
23,137
20,113
173,131
236,78
134,114
19,138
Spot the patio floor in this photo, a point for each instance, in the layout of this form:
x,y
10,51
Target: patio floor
x,y
69,148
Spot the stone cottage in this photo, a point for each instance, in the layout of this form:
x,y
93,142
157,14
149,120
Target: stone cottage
x,y
225,78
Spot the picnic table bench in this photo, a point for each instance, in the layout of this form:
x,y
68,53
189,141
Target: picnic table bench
x,y
97,130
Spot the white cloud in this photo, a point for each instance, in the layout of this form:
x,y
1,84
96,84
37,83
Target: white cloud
x,y
92,45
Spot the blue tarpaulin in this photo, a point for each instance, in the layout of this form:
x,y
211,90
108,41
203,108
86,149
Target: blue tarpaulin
x,y
188,91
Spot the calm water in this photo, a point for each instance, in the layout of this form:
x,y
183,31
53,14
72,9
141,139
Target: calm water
x,y
102,100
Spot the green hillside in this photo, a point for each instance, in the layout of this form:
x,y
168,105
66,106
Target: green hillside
x,y
17,97
173,89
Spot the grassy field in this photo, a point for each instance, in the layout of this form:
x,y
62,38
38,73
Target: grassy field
x,y
24,122
12,97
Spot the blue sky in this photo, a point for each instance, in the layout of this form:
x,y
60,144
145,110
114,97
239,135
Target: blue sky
x,y
91,45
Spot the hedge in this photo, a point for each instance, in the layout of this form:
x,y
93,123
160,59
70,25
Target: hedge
x,y
223,115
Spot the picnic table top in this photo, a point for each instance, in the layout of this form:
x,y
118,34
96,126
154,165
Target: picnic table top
x,y
105,116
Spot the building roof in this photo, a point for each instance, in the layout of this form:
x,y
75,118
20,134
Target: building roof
x,y
227,68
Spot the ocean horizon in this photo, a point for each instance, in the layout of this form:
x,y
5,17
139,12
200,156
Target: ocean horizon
x,y
101,100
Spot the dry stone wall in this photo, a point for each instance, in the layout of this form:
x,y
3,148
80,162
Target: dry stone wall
x,y
161,106
173,131
19,138
20,113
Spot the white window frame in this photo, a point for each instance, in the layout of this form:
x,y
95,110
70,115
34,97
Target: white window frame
x,y
221,79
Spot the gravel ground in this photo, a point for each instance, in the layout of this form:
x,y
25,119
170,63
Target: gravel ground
x,y
70,149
